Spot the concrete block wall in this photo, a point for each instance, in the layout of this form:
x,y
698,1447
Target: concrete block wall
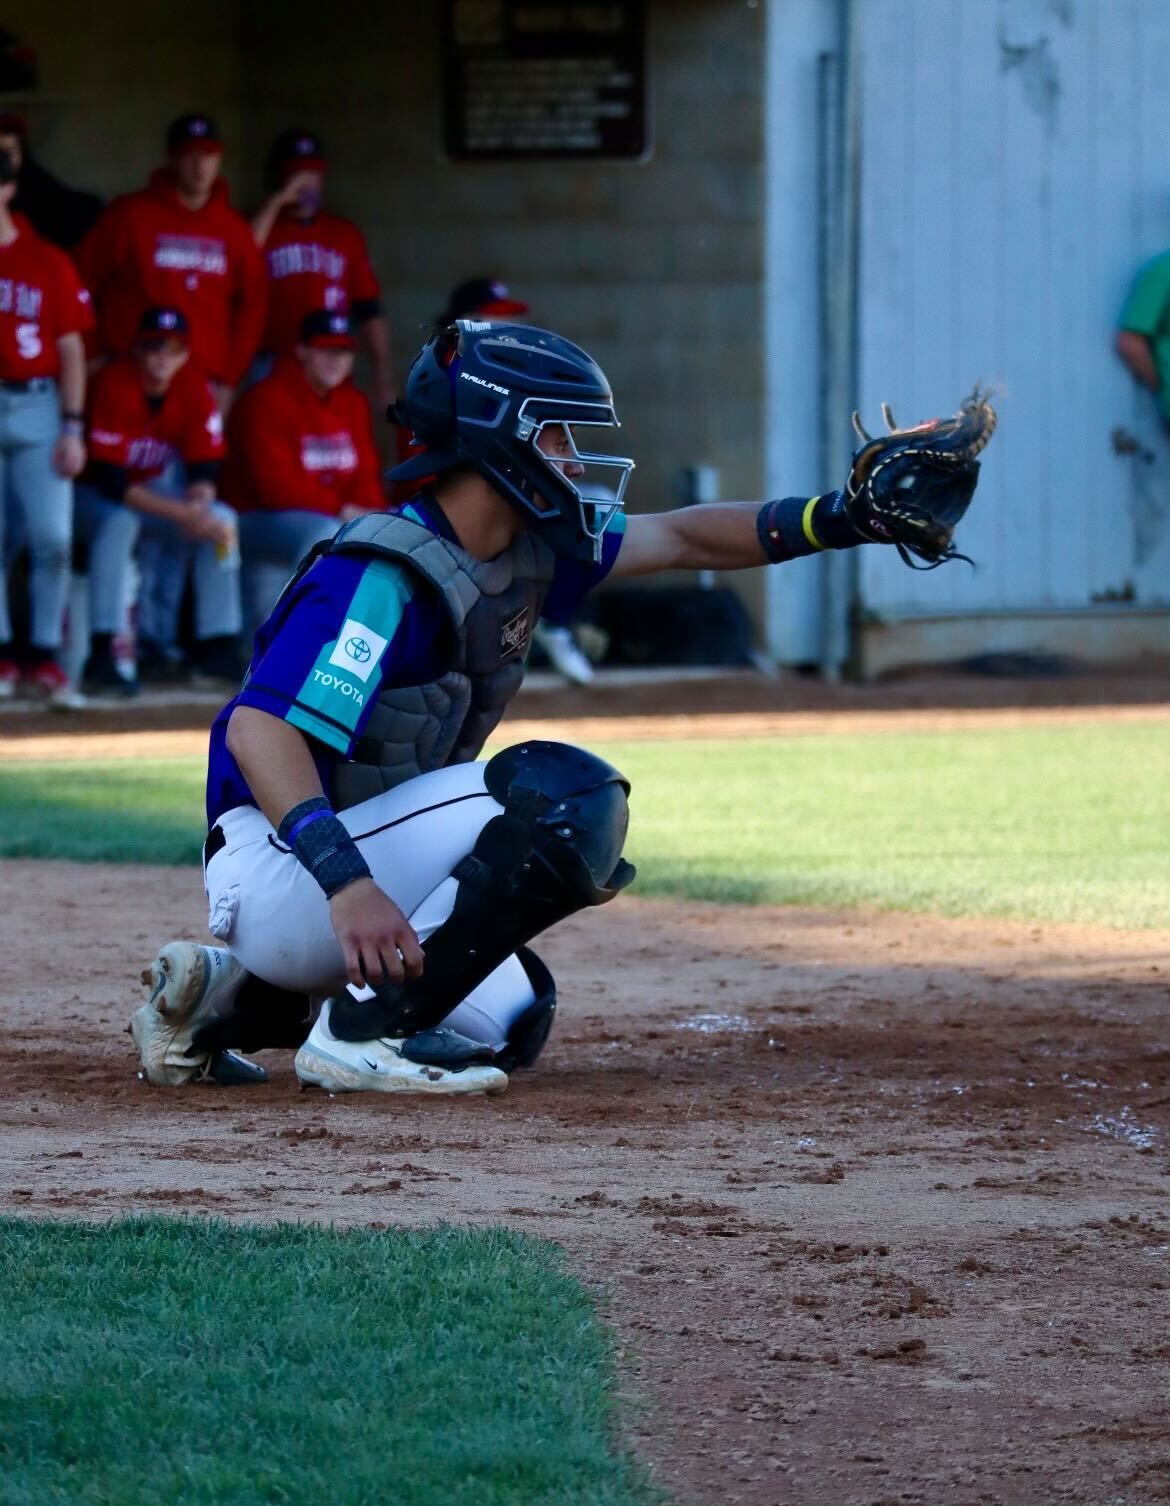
x,y
654,267
113,76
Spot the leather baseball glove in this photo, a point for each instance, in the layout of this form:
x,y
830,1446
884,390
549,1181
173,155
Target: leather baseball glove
x,y
911,487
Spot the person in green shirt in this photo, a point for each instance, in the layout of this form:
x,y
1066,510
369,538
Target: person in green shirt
x,y
1143,335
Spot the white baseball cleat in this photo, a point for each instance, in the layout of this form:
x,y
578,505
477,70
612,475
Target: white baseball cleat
x,y
380,1067
563,653
189,984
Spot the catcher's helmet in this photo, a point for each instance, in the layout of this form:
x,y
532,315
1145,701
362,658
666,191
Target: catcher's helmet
x,y
479,394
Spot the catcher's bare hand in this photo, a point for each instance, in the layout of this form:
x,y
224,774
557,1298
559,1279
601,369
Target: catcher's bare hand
x,y
377,940
910,487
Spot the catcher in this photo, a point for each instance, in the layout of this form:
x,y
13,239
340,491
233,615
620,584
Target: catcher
x,y
354,834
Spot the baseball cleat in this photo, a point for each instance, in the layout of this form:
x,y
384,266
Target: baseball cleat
x,y
49,683
231,1070
382,1066
563,653
103,678
189,984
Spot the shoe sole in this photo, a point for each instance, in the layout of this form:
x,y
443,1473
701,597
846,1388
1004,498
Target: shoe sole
x,y
159,974
161,1015
152,1036
322,1071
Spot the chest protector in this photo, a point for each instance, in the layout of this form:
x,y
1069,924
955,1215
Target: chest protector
x,y
492,607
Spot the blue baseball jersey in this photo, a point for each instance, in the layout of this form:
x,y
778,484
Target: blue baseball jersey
x,y
349,627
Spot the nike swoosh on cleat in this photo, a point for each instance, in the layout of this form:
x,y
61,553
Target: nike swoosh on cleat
x,y
373,1066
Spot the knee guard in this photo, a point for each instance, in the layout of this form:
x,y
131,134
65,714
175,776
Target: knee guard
x,y
554,850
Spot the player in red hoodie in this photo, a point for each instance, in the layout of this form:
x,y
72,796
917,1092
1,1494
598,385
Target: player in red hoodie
x,y
178,244
301,459
317,260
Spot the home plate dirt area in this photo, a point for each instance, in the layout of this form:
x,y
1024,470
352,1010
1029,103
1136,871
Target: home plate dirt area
x,y
875,1203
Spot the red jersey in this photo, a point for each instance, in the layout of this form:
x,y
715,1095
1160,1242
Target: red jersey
x,y
143,438
149,249
290,450
41,299
320,263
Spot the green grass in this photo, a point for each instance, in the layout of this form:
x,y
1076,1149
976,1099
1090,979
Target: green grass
x,y
200,1364
1067,823
117,811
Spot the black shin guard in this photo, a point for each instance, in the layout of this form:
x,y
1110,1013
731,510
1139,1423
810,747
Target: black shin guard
x,y
262,1017
529,1031
555,850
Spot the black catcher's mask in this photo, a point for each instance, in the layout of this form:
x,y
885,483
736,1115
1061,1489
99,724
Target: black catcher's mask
x,y
480,394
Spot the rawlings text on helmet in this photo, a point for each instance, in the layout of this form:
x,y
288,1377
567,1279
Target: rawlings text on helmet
x,y
467,376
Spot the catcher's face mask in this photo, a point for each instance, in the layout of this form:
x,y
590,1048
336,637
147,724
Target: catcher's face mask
x,y
582,471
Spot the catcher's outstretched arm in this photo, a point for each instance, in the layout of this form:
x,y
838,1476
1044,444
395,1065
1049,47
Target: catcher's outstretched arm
x,y
711,536
734,535
908,488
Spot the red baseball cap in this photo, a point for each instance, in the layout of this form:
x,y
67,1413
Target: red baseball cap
x,y
298,152
160,324
194,133
484,298
325,330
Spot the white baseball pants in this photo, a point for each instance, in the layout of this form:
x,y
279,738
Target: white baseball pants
x,y
271,914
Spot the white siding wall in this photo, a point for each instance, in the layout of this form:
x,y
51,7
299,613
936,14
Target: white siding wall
x,y
1015,173
798,31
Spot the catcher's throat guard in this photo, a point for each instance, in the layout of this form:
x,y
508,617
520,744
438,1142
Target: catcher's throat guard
x,y
911,487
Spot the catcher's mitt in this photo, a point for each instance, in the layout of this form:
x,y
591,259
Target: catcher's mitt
x,y
910,487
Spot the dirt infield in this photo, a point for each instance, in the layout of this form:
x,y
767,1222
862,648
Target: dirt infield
x,y
877,1203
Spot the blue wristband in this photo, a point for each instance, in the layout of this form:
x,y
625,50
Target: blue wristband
x,y
303,822
316,806
322,845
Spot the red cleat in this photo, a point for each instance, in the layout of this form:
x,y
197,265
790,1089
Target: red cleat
x,y
49,681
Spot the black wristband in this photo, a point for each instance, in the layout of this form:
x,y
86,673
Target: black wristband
x,y
286,830
796,526
202,470
322,845
112,481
